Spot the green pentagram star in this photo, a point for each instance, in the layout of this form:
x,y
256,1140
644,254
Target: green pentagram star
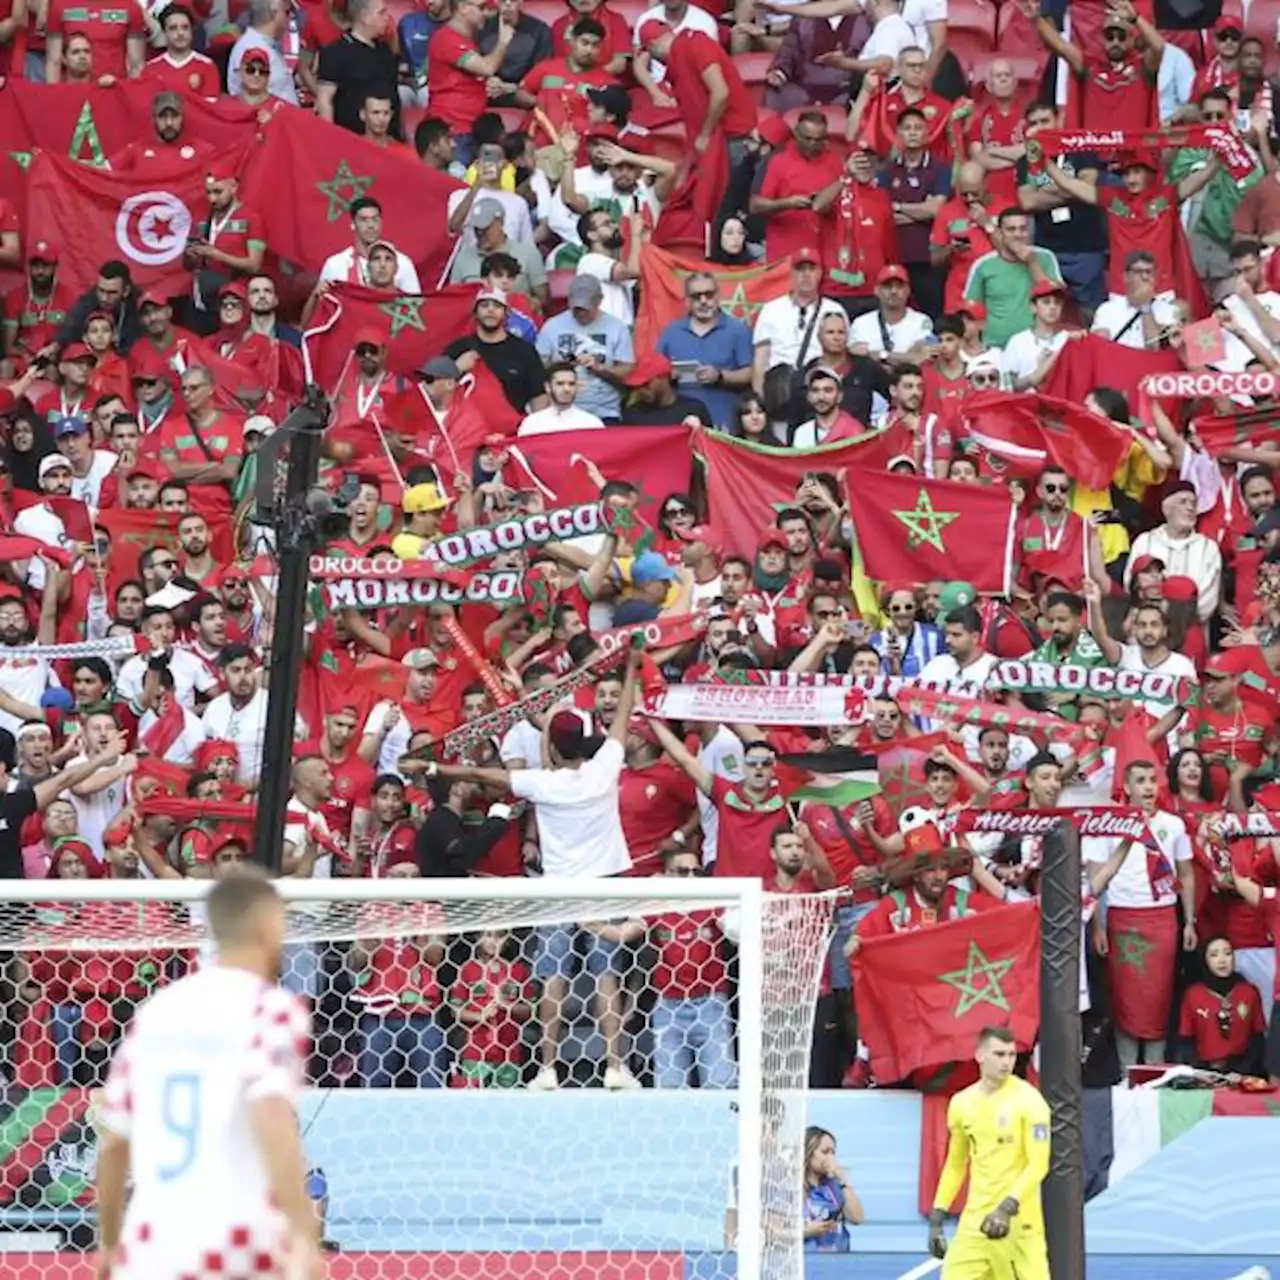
x,y
22,159
738,304
978,982
405,313
925,524
342,189
1132,948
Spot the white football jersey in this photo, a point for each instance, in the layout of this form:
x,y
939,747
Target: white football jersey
x,y
196,1055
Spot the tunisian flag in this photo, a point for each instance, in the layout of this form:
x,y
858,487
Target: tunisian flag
x,y
662,277
94,215
923,996
912,529
1020,433
306,218
745,482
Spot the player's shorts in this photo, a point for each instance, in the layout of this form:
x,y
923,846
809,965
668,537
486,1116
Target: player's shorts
x,y
1021,1255
244,1251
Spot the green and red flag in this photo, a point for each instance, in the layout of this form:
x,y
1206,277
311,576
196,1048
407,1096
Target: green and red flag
x,y
307,218
1020,433
746,482
911,529
133,532
924,995
743,290
47,1141
1257,425
900,770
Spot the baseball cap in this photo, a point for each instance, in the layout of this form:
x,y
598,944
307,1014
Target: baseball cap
x,y
820,371
484,213
806,253
771,538
145,468
76,351
653,29
1047,289
649,366
51,462
649,566
441,367
976,311
42,251
234,289
151,298
256,55
370,336
420,659
166,100
1143,563
421,498
259,424
1228,23
69,426
956,595
491,295
221,168
1216,667
603,133
893,272
584,291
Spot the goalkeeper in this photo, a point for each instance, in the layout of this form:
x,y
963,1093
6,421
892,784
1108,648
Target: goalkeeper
x,y
999,1131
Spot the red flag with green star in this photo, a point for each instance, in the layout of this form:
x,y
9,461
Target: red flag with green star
x,y
911,529
924,995
307,218
743,290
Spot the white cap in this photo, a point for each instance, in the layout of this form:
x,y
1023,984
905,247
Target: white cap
x,y
51,462
260,423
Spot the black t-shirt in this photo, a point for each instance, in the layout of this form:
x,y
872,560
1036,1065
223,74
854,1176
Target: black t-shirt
x,y
670,415
15,808
360,71
513,361
1085,229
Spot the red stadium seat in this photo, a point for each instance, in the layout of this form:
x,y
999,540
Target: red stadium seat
x,y
1016,40
978,16
752,67
410,119
559,282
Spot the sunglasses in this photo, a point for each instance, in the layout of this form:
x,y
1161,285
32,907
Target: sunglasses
x,y
697,294
253,69
902,608
235,582
365,350
677,511
1055,488
985,380
825,615
1228,35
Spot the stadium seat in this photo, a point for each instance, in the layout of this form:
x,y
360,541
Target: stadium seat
x,y
977,16
559,282
752,67
1016,40
549,11
1262,19
513,118
410,119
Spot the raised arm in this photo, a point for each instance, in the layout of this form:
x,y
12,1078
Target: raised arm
x,y
627,698
697,771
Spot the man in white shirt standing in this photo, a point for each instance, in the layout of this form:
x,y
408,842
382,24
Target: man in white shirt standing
x,y
893,331
352,265
1137,318
964,668
1030,353
786,328
190,675
240,714
580,834
89,466
562,414
1141,941
1254,307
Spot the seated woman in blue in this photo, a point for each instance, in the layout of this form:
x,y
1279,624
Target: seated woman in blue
x,y
830,1203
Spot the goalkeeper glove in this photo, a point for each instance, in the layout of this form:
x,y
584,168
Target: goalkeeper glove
x,y
937,1236
995,1226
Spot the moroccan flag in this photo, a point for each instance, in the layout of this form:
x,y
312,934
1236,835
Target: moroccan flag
x,y
306,217
94,215
924,996
662,275
901,772
417,326
654,459
1020,433
1093,361
913,529
944,123
133,532
747,482
1257,426
686,218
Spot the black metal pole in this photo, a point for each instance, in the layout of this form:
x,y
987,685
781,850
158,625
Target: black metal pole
x,y
296,536
1060,1069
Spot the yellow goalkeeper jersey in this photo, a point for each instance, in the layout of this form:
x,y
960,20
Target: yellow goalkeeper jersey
x,y
1002,1138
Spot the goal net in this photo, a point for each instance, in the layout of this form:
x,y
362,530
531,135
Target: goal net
x,y
508,1078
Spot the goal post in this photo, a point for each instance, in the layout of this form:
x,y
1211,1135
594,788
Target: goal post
x,y
683,1138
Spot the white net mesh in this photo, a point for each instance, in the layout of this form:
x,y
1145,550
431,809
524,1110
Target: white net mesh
x,y
498,1084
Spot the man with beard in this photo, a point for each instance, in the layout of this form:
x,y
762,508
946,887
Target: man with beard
x,y
24,680
193,537
227,243
513,361
364,387
240,714
603,241
161,340
40,521
208,632
263,304
33,314
351,265
168,149
245,614
1052,537
111,294
351,806
486,234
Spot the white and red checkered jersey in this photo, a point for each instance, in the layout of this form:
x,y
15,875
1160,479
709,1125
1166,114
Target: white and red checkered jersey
x,y
197,1054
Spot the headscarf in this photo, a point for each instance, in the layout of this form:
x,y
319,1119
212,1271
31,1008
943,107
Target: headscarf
x,y
1221,987
24,465
719,255
78,846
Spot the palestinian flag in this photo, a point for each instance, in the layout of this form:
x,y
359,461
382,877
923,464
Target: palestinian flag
x,y
838,778
48,1149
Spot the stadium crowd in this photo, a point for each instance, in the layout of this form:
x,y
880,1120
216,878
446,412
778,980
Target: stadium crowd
x,y
889,276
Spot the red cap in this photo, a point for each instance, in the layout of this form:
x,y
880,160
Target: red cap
x,y
76,351
1139,156
893,272
773,128
924,841
653,29
256,55
695,533
146,468
153,298
1143,563
974,310
1228,23
1179,588
771,538
602,133
1047,289
221,168
806,253
649,366
234,289
642,727
42,251
370,336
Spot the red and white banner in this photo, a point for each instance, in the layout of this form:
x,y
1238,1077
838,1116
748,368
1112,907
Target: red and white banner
x,y
1193,385
766,698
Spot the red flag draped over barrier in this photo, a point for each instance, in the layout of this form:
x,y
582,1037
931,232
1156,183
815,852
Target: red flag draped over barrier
x,y
662,275
743,480
306,218
924,996
1020,433
417,326
916,529
94,215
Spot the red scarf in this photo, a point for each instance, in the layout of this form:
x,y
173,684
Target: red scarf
x,y
167,729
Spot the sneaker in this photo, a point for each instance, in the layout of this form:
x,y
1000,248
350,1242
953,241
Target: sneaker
x,y
545,1081
620,1078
